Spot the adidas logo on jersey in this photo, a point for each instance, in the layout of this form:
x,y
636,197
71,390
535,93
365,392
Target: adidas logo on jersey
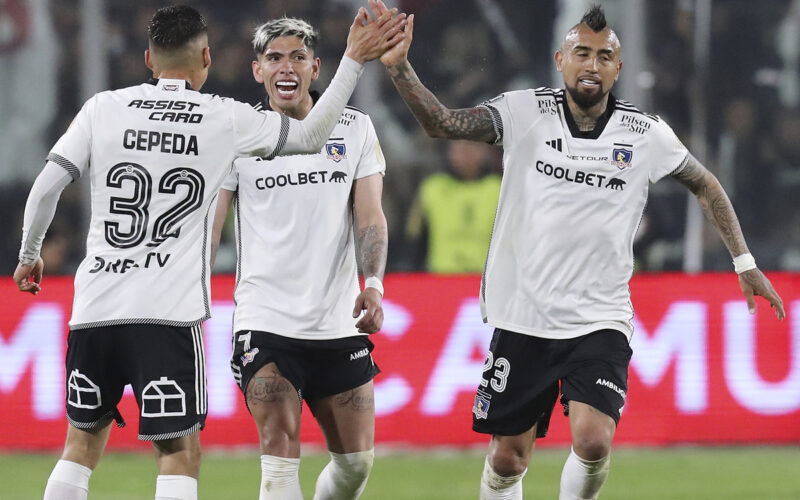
x,y
359,354
555,144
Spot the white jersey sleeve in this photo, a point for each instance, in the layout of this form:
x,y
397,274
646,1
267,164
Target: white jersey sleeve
x,y
40,209
258,133
503,110
371,160
231,182
73,150
670,151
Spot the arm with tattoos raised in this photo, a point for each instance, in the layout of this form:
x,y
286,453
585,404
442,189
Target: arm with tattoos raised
x,y
719,210
372,246
473,124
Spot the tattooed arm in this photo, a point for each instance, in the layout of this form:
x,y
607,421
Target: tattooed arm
x,y
372,247
718,209
438,121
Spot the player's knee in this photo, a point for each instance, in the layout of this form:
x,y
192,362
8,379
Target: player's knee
x,y
277,442
592,446
508,462
179,456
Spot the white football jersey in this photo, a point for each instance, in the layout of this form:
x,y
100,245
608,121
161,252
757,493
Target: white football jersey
x,y
296,273
156,155
561,253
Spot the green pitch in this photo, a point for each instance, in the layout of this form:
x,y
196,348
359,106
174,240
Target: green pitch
x,y
652,474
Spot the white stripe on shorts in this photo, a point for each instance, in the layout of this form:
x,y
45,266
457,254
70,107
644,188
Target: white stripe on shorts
x,y
201,401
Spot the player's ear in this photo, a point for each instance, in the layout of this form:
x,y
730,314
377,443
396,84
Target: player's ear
x,y
257,72
147,61
315,65
619,69
206,57
558,57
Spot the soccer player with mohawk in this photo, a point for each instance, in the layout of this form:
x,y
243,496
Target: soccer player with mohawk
x,y
577,165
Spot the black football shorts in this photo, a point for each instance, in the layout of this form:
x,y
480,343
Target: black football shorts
x,y
316,368
165,365
522,376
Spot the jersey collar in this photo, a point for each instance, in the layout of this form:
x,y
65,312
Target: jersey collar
x,y
265,103
599,126
182,84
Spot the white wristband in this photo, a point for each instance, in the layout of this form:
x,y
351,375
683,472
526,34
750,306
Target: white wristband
x,y
744,262
374,282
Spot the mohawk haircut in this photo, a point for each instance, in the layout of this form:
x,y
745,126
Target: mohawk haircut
x,y
173,26
284,26
595,18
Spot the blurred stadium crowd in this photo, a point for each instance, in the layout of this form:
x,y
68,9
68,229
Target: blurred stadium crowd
x,y
747,98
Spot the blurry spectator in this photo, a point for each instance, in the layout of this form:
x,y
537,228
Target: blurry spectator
x,y
452,217
742,166
788,48
28,81
784,156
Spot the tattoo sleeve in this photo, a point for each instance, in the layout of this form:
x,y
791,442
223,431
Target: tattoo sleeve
x,y
437,120
373,245
714,202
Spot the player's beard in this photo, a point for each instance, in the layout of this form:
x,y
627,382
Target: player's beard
x,y
585,100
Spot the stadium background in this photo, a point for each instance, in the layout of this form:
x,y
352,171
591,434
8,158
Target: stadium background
x,y
724,73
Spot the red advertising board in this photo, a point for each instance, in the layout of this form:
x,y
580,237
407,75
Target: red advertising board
x,y
703,370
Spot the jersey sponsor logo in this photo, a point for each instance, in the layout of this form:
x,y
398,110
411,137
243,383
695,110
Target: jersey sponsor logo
x,y
82,392
634,123
611,385
616,184
555,144
336,151
248,356
579,176
347,118
481,406
299,179
164,142
155,260
587,158
163,104
163,398
621,156
548,107
359,354
168,116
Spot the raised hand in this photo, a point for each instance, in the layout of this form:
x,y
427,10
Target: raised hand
x,y
370,38
753,282
29,277
398,54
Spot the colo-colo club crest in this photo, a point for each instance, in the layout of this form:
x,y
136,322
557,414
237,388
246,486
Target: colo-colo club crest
x,y
621,157
336,151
